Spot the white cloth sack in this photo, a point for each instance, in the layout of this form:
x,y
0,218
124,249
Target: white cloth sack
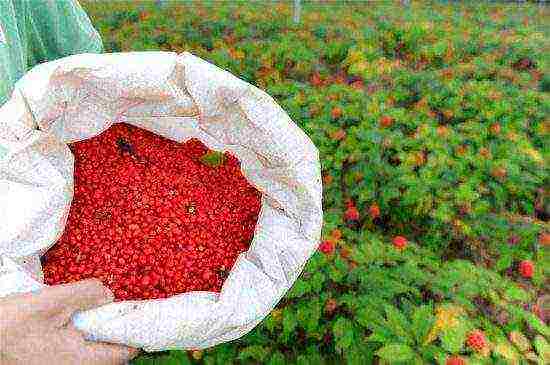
x,y
178,97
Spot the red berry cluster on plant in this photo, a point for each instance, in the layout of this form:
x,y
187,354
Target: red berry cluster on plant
x,y
336,234
386,121
476,340
495,128
150,219
400,242
526,268
338,135
336,112
351,214
327,247
374,211
455,360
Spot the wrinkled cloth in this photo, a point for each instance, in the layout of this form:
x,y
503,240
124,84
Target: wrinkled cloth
x,y
178,97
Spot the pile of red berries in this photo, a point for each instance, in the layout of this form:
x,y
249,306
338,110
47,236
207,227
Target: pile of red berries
x,y
151,217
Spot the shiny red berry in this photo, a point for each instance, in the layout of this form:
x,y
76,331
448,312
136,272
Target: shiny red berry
x,y
352,214
399,242
327,247
527,268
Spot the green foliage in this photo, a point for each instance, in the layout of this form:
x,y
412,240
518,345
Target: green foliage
x,y
396,353
459,167
169,358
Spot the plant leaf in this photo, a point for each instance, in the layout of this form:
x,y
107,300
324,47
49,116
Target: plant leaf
x,y
289,323
422,321
514,293
506,351
396,352
213,158
543,349
520,341
344,334
452,339
537,324
254,352
397,322
277,359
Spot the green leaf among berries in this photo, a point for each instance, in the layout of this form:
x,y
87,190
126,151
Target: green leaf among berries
x,y
213,158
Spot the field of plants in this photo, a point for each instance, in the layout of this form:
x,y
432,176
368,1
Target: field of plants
x,y
432,122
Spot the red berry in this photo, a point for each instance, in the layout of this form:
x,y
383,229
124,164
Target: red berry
x,y
526,268
336,234
339,135
344,252
374,211
357,85
442,131
386,121
145,281
327,247
495,128
399,242
327,179
499,172
544,239
336,113
316,79
352,214
455,360
476,340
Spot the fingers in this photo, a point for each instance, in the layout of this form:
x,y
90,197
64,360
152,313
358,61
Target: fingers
x,y
32,318
59,301
95,353
81,295
108,354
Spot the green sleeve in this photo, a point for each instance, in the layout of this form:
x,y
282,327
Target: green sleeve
x,y
58,28
32,31
13,56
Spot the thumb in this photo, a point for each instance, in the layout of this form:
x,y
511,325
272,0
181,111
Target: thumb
x,y
57,301
70,298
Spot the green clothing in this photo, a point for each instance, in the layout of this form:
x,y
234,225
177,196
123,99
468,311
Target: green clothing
x,y
34,31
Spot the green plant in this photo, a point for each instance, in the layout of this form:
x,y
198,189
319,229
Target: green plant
x,y
437,116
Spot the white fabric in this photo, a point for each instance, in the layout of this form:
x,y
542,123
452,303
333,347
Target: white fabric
x,y
179,97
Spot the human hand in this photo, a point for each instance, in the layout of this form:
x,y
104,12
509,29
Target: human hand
x,y
35,328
